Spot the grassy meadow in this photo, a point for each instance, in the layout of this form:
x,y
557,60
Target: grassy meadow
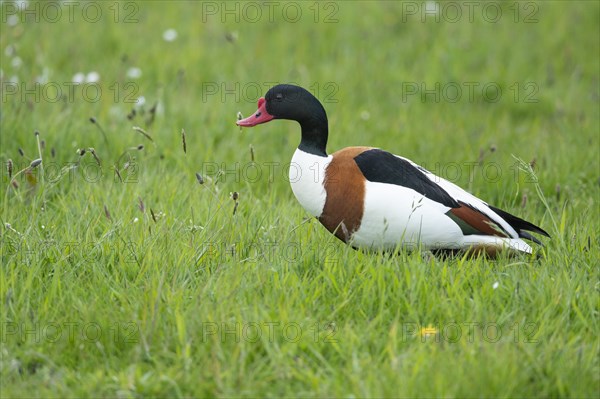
x,y
131,270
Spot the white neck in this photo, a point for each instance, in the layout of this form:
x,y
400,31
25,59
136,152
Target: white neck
x,y
307,178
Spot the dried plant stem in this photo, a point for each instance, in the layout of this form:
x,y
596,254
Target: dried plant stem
x,y
527,168
39,145
8,189
143,132
95,122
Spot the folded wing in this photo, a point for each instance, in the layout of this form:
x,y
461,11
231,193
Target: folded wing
x,y
471,214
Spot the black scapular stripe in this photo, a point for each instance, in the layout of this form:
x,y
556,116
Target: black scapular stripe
x,y
383,167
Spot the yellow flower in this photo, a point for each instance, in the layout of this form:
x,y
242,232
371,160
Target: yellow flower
x,y
427,331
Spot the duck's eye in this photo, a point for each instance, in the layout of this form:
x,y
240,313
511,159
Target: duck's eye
x,y
279,96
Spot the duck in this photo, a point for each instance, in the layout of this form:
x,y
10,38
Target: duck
x,y
372,199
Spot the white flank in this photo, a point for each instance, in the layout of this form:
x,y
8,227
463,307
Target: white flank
x,y
399,216
395,214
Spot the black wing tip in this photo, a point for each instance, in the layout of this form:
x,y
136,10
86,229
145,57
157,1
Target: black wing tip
x,y
541,231
533,228
521,225
527,236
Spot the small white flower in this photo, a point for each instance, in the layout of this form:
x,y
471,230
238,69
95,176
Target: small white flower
x,y
169,35
432,7
9,51
79,78
495,285
12,20
43,227
43,78
135,220
141,100
16,62
92,77
160,109
15,365
9,227
134,72
117,112
21,4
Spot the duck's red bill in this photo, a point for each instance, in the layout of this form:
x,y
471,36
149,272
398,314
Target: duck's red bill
x,y
260,116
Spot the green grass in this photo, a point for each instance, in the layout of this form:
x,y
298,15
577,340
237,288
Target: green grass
x,y
180,297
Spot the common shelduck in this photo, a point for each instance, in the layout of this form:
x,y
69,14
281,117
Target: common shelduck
x,y
370,198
